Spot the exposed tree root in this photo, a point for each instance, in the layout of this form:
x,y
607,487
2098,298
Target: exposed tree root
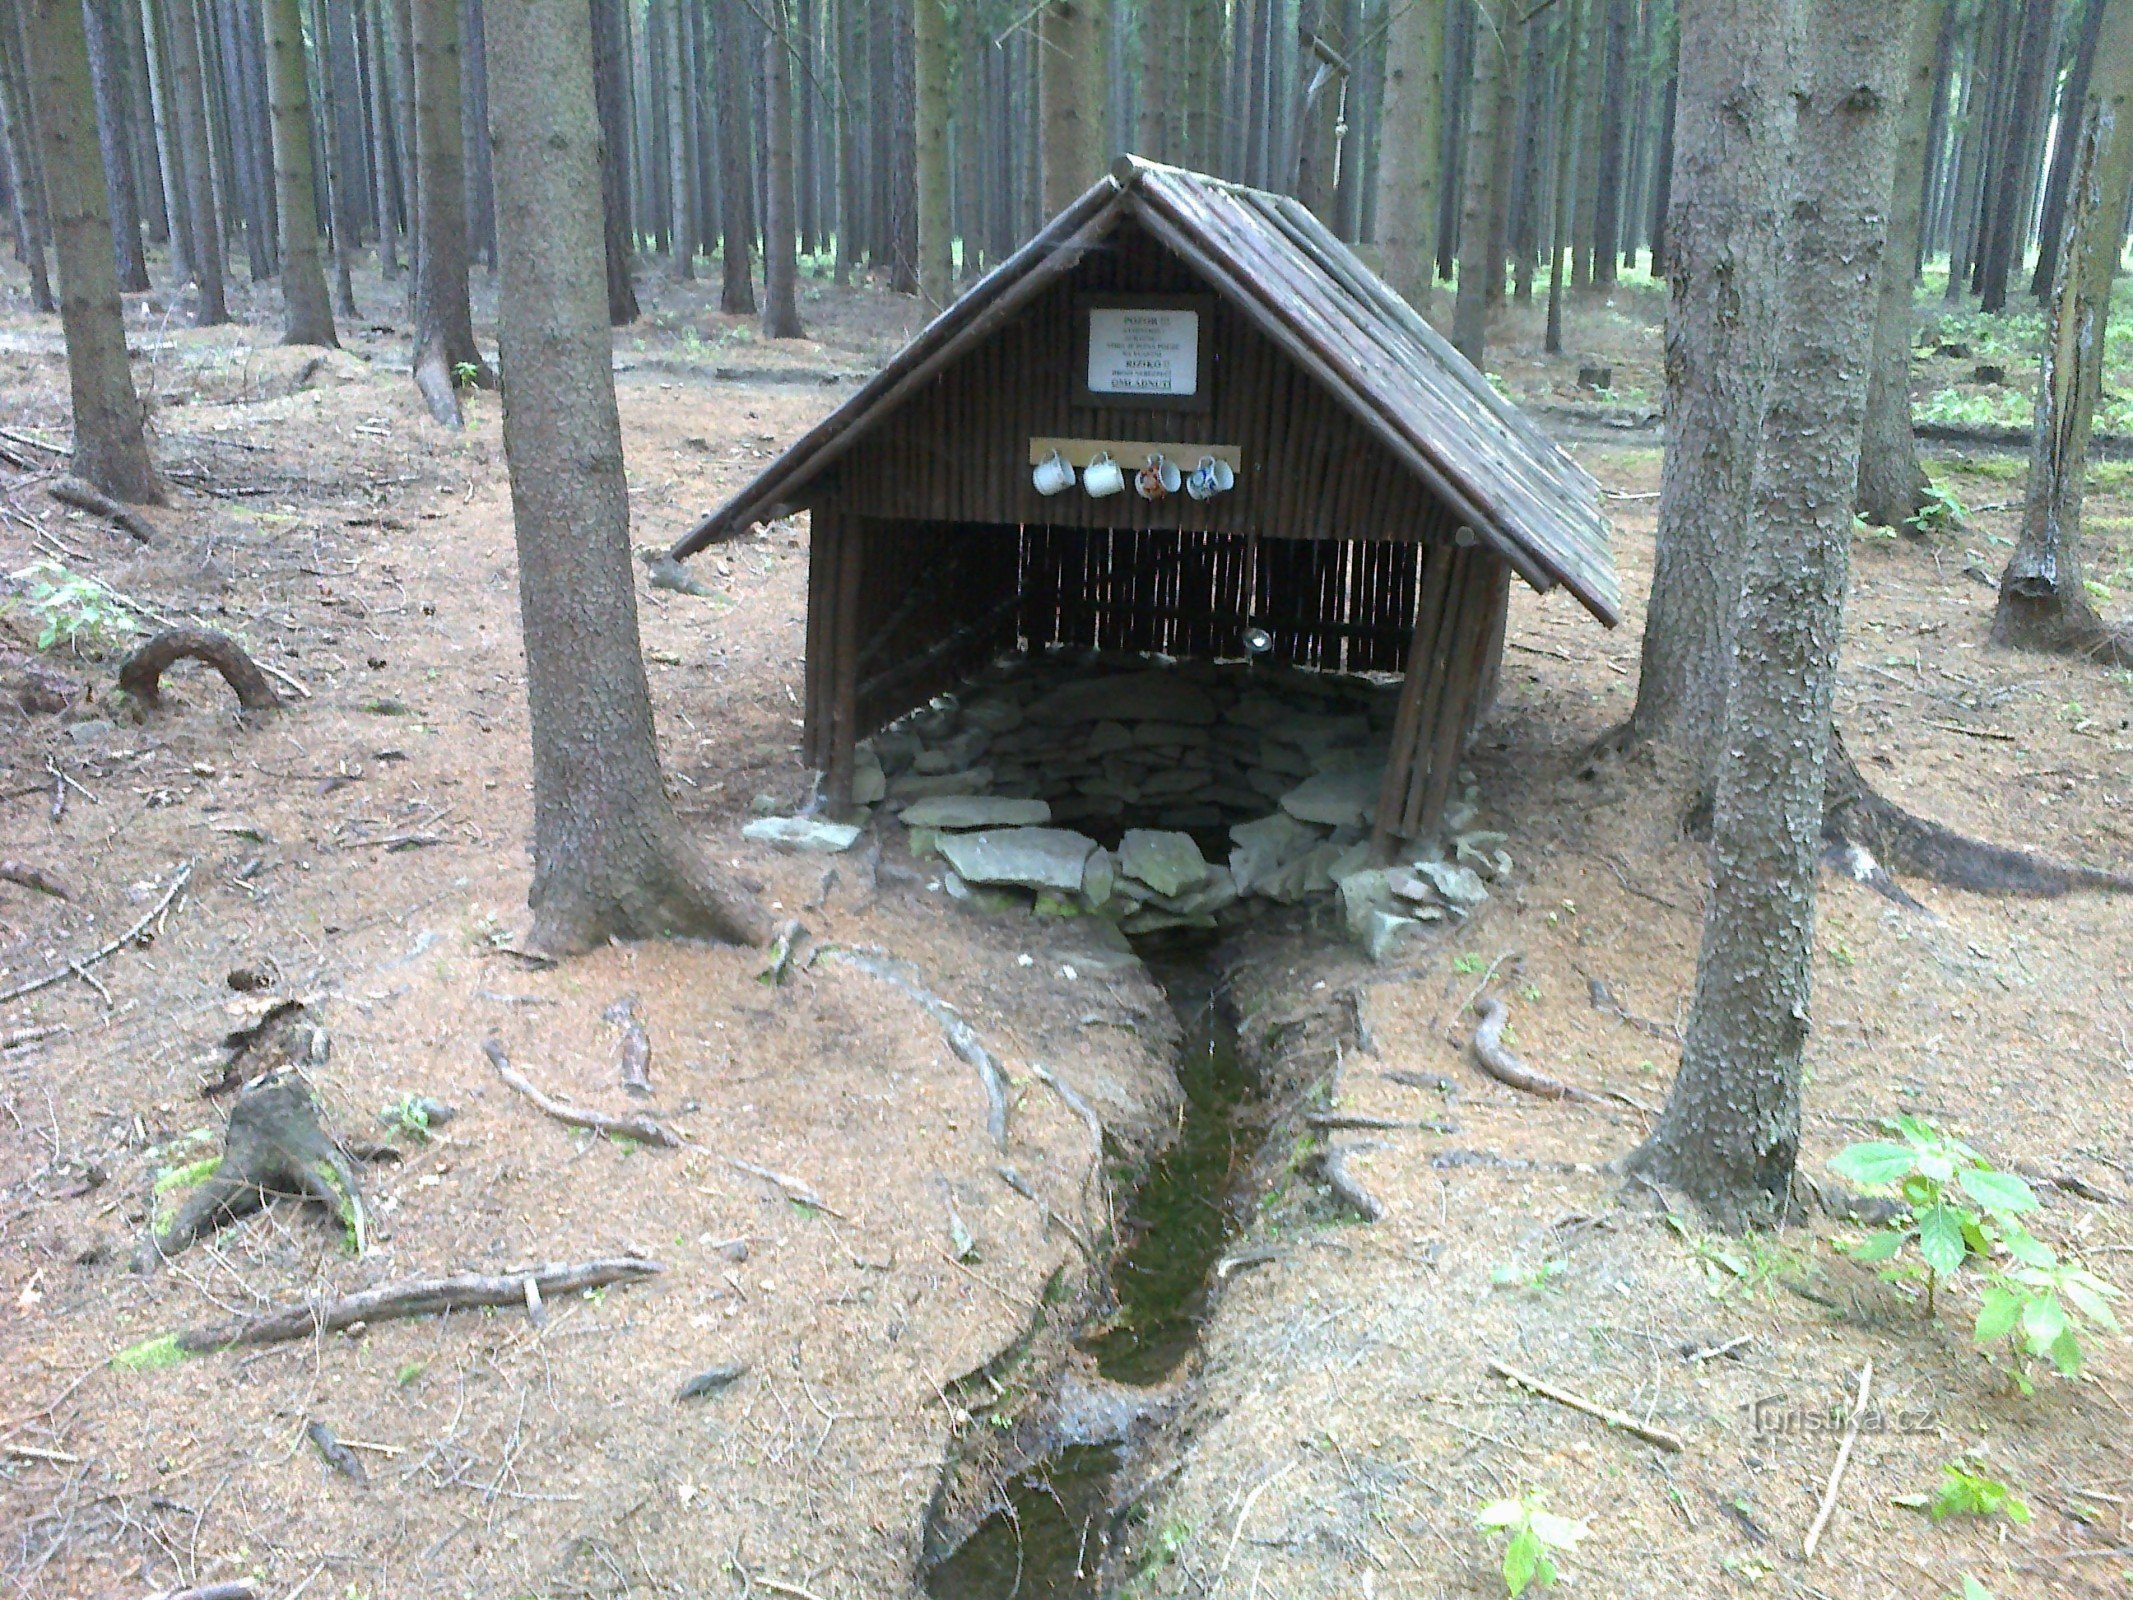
x,y
2032,616
440,391
634,1056
33,877
275,1144
414,1297
1500,1064
141,673
83,495
1855,817
1347,1188
642,1129
962,1039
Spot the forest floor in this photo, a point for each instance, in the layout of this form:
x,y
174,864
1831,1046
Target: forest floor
x,y
366,848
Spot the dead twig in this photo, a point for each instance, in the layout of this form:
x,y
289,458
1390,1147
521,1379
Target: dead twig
x,y
1500,1064
1836,1471
86,496
76,966
793,1188
1578,1403
643,1129
33,877
414,1297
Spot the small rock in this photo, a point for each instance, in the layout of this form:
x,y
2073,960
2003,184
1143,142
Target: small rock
x,y
1336,799
921,785
808,835
975,811
1036,858
1460,887
1169,863
870,785
90,730
1261,850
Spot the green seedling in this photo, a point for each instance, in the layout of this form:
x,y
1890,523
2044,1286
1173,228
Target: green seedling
x,y
72,610
464,374
1964,1493
1532,1539
1939,511
1512,1276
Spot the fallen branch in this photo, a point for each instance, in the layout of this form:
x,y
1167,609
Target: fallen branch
x,y
141,673
31,877
643,1129
412,1297
1836,1471
962,1039
76,966
1500,1064
209,1591
793,1188
86,496
1578,1403
1346,1187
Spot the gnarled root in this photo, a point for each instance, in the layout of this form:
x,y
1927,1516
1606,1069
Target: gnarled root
x,y
275,1144
141,673
1499,1063
83,495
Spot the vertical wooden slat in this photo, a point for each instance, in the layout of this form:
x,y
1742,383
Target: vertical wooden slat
x,y
844,656
1407,717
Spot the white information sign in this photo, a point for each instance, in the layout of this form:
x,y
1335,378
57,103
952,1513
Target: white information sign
x,y
1143,350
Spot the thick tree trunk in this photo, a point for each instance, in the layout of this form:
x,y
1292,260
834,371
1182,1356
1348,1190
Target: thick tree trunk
x,y
1470,310
2043,603
1560,244
2073,107
474,125
1073,40
610,64
1735,113
444,348
403,48
1408,162
1503,155
307,315
110,450
736,153
114,118
327,25
148,174
849,30
781,267
610,857
1730,1133
681,258
2008,216
25,172
203,231
1892,485
1614,126
936,245
383,158
1663,171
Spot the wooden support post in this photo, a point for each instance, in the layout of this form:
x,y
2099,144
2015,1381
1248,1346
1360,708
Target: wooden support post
x,y
844,658
824,529
1407,719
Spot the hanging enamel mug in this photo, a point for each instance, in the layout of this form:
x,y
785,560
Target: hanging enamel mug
x,y
1101,476
1202,483
1053,475
1160,477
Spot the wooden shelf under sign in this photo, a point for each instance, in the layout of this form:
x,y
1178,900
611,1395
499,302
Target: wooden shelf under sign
x,y
1131,453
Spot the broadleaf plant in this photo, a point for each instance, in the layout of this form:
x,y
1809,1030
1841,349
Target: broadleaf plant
x,y
1961,1212
1532,1539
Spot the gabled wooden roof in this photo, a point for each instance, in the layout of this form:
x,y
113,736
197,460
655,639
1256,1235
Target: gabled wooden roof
x,y
1316,301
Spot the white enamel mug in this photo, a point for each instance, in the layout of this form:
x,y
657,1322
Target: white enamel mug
x,y
1052,475
1101,476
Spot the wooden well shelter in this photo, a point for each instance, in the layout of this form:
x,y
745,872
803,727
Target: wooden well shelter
x,y
1380,493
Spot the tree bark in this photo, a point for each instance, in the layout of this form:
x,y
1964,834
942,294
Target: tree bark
x,y
1470,310
246,74
148,174
849,32
610,857
25,172
2073,108
781,267
110,449
610,63
307,315
936,246
1614,121
203,222
444,347
736,154
474,126
2008,218
169,152
1566,170
1071,78
328,25
383,160
970,145
1735,114
1892,485
2043,603
1730,1133
114,119
1407,162
682,240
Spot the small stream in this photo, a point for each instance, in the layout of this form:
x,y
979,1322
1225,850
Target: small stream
x,y
1049,1541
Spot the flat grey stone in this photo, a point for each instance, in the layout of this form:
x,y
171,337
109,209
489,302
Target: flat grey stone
x,y
1335,799
919,786
1036,858
1169,863
1098,874
808,835
975,811
998,715
869,783
91,730
1158,694
1260,851
1108,737
1459,887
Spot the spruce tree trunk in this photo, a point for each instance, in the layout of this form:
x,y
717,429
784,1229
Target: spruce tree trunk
x,y
610,65
307,315
443,346
110,449
903,154
1614,122
977,201
807,217
2043,604
403,48
1503,154
474,125
245,72
1663,169
114,119
1730,1133
1470,311
25,175
781,267
610,859
383,160
203,233
1735,114
148,172
1407,161
1969,162
681,257
341,161
1560,243
2073,107
848,29
2009,218
936,246
169,153
1892,485
736,151
1072,74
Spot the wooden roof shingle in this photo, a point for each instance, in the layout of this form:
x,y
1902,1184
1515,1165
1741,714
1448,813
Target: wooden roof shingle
x,y
1324,309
